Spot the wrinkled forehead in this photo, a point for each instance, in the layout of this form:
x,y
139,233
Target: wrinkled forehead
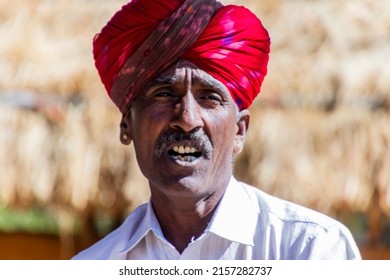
x,y
185,72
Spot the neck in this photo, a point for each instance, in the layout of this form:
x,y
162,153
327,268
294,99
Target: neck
x,y
184,219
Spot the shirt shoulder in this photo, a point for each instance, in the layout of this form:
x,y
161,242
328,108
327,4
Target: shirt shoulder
x,y
112,245
298,232
284,210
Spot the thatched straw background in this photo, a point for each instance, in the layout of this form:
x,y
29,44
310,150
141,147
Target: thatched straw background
x,y
319,134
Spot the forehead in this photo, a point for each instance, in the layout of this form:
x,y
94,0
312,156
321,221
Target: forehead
x,y
184,72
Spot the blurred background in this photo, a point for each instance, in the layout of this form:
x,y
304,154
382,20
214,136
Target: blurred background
x,y
319,132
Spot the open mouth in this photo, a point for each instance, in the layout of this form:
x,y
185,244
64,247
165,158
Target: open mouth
x,y
184,153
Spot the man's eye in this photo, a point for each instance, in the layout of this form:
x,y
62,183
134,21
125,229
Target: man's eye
x,y
163,93
212,97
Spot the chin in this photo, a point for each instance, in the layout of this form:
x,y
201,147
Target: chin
x,y
185,186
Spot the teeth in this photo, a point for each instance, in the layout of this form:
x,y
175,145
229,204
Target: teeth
x,y
184,149
185,158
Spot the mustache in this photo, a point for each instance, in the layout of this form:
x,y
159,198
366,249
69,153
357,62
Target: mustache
x,y
170,137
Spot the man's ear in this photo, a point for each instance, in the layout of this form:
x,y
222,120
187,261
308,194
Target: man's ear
x,y
125,129
242,128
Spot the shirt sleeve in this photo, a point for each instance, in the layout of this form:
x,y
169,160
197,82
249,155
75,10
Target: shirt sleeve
x,y
333,243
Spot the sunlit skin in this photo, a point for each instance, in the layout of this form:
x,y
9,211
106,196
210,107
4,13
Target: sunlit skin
x,y
184,193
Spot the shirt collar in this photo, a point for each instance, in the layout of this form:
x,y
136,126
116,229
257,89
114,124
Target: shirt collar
x,y
235,219
147,223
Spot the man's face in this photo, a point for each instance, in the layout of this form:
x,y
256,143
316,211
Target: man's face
x,y
184,127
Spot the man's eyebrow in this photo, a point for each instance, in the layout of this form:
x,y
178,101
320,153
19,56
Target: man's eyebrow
x,y
162,80
211,84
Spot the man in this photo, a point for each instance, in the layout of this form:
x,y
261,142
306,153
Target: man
x,y
183,74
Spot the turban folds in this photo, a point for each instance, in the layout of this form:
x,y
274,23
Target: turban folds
x,y
147,36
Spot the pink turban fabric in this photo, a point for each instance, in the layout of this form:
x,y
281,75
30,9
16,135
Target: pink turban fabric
x,y
146,37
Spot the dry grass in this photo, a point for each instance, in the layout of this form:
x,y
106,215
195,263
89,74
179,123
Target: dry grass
x,y
319,133
59,150
70,163
328,161
47,46
328,51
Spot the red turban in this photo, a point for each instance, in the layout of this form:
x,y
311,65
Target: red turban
x,y
147,36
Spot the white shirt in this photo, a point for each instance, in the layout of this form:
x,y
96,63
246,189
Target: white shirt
x,y
247,224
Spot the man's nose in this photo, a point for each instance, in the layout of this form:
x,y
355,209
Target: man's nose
x,y
187,114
